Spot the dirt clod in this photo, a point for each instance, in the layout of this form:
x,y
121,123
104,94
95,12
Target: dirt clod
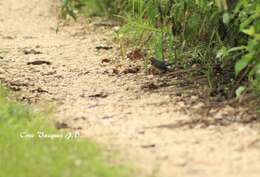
x,y
105,60
148,146
31,51
61,125
103,47
39,62
99,95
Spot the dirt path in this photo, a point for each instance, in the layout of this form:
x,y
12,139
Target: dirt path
x,y
66,68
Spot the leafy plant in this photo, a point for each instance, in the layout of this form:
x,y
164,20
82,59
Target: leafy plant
x,y
221,35
70,7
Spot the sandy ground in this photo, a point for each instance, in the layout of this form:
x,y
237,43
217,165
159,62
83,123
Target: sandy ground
x,y
65,68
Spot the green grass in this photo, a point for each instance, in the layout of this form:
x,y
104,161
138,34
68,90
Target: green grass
x,y
45,157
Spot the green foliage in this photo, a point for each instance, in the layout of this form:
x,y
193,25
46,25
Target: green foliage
x,y
220,34
92,7
246,16
70,8
30,157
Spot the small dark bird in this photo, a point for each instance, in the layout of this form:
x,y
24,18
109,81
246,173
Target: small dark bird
x,y
160,65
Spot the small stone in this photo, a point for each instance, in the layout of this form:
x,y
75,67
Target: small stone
x,y
194,97
116,29
199,105
178,94
181,104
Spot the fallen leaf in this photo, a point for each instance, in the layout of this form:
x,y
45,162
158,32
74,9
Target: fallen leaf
x,y
130,70
136,54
